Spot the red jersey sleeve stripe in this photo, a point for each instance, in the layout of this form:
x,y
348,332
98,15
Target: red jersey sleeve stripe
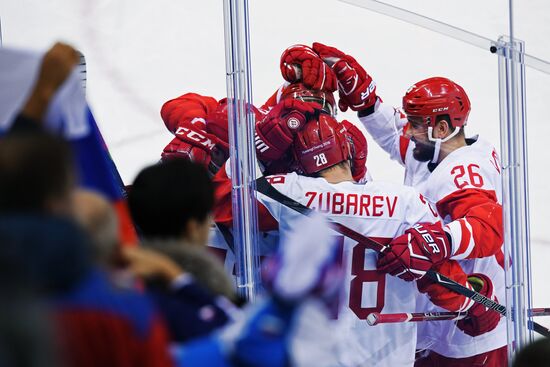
x,y
465,246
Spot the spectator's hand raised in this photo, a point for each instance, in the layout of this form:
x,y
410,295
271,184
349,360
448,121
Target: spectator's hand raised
x,y
56,66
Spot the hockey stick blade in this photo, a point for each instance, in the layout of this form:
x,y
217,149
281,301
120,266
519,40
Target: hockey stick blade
x,y
264,187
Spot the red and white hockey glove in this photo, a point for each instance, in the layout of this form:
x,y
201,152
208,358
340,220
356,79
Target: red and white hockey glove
x,y
412,254
187,109
300,63
480,319
275,133
359,150
441,296
356,88
191,143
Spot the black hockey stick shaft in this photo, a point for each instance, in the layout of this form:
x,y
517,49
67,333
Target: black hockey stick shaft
x,y
460,289
264,187
541,311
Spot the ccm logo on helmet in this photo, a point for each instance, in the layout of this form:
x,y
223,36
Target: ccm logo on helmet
x,y
195,136
440,109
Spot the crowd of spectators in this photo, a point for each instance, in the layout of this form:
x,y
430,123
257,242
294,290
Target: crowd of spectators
x,y
73,294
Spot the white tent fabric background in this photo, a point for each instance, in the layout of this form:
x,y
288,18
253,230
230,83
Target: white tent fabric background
x,y
141,53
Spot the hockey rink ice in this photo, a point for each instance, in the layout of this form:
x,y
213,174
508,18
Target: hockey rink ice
x,y
141,53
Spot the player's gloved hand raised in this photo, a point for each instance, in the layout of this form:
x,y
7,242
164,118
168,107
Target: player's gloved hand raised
x,y
276,131
356,88
187,109
301,63
359,151
480,319
191,143
412,254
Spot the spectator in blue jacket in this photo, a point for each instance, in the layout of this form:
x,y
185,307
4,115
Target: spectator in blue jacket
x,y
171,204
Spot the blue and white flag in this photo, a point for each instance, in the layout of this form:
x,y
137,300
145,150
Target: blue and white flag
x,y
69,116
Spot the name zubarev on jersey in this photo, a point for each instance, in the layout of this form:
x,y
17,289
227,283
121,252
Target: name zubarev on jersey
x,y
352,204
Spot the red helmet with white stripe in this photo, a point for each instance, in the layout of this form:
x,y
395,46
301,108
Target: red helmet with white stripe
x,y
433,97
321,143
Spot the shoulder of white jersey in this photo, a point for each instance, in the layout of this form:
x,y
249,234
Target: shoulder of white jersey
x,y
282,180
387,187
414,207
475,166
284,183
407,193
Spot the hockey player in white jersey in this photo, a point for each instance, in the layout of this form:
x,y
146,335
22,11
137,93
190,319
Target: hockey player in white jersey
x,y
379,210
461,177
200,128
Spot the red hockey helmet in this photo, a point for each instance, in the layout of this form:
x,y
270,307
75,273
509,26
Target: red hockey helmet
x,y
434,97
217,123
321,143
301,92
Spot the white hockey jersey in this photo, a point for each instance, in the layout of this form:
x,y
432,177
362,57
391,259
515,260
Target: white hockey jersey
x,y
466,185
218,244
375,209
218,241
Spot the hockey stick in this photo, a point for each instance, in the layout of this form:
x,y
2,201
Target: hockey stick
x,y
227,236
264,187
376,318
539,312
